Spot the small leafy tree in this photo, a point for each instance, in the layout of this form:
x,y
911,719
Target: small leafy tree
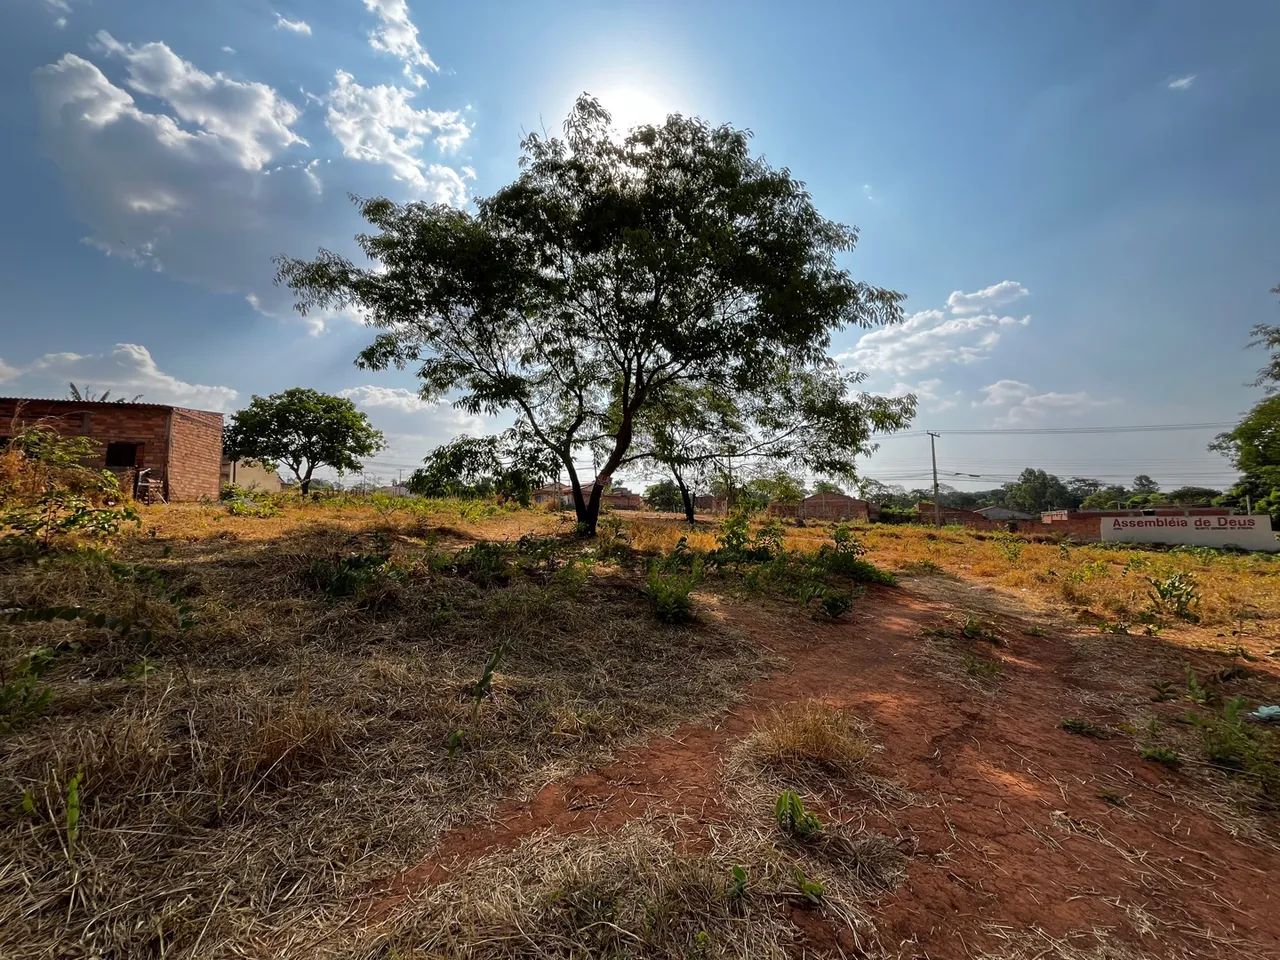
x,y
302,429
507,466
611,272
664,496
827,486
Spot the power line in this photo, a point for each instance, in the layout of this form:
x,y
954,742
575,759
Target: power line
x,y
1047,431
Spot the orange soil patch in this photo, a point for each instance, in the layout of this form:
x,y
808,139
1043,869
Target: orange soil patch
x,y
1010,826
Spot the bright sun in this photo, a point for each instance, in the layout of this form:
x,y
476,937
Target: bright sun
x,y
632,106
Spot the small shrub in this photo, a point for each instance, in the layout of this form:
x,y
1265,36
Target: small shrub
x,y
347,576
485,562
737,883
981,668
1010,547
836,605
1229,741
22,697
812,890
793,819
1175,595
1166,756
246,506
671,594
1084,728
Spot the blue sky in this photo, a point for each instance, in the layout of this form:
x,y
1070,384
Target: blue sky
x,y
1079,200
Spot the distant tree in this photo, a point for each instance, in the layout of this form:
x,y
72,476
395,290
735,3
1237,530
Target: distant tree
x,y
827,486
1144,484
1035,490
1080,489
664,496
610,271
778,487
688,430
508,466
301,429
1253,448
1193,495
1107,498
882,494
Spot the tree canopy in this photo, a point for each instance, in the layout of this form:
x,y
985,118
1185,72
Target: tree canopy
x,y
301,429
612,272
509,466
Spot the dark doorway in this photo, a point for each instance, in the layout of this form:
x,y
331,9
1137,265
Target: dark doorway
x,y
123,454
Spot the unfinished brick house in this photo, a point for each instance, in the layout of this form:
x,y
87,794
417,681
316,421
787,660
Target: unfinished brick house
x,y
159,452
826,506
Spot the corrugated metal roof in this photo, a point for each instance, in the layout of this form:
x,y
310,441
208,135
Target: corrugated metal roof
x,y
104,403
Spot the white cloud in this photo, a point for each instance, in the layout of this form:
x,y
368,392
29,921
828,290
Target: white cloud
x,y
928,395
397,398
1183,82
250,117
957,334
293,26
378,125
230,50
129,369
207,183
996,295
1022,406
397,35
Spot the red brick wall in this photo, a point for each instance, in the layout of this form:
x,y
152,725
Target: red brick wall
x,y
104,422
191,467
195,455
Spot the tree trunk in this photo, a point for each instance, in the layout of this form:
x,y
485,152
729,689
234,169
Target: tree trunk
x,y
685,497
304,482
591,516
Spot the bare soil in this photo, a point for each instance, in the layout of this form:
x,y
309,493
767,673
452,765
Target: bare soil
x,y
1013,825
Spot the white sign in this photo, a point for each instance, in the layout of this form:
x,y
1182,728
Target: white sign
x,y
1249,533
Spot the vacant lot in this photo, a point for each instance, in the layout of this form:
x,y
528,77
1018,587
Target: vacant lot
x,y
437,729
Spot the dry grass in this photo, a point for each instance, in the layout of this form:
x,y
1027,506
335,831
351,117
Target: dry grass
x,y
638,893
1109,582
807,737
254,753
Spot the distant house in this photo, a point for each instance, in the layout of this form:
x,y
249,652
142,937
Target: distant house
x,y
560,495
826,506
710,504
159,452
251,475
1004,513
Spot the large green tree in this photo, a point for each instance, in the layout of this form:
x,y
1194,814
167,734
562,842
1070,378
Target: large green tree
x,y
1035,490
611,271
301,429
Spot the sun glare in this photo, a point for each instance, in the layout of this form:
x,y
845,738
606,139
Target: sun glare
x,y
632,105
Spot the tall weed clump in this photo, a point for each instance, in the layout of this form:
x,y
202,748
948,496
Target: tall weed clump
x,y
49,498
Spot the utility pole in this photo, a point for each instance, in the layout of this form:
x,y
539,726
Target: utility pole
x,y
933,453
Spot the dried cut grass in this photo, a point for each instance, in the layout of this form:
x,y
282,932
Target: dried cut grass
x,y
1106,580
278,751
635,893
806,737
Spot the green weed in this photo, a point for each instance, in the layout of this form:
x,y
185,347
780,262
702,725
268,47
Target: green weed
x,y
793,819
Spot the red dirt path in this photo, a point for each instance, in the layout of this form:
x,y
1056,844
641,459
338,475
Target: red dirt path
x,y
1009,827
